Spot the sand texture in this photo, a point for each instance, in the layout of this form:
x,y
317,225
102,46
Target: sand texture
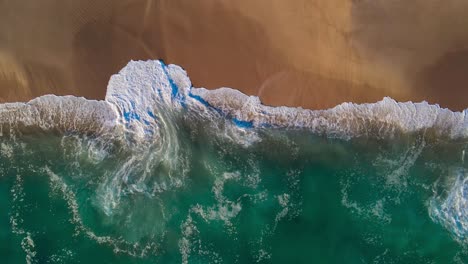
x,y
310,53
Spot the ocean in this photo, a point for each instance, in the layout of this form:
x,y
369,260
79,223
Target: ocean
x,y
162,172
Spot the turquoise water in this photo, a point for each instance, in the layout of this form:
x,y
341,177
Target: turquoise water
x,y
208,190
290,197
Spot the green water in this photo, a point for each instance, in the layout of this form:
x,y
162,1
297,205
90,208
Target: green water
x,y
286,197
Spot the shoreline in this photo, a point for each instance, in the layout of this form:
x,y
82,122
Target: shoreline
x,y
133,101
311,54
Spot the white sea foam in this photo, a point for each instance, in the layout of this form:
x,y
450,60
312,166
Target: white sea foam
x,y
451,210
381,119
118,244
142,91
144,96
145,100
142,104
60,113
27,244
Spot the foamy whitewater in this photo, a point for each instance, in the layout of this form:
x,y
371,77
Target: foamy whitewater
x,y
162,171
142,87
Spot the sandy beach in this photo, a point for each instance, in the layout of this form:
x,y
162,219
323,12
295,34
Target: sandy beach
x,y
310,53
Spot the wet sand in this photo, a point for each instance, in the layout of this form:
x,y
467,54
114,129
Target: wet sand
x,y
310,53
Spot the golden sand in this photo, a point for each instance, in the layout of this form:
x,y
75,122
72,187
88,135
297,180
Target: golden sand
x,y
310,53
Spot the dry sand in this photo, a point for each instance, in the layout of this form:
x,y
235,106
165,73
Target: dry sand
x,y
310,53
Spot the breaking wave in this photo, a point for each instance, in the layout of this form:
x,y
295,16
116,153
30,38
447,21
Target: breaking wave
x,y
143,96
